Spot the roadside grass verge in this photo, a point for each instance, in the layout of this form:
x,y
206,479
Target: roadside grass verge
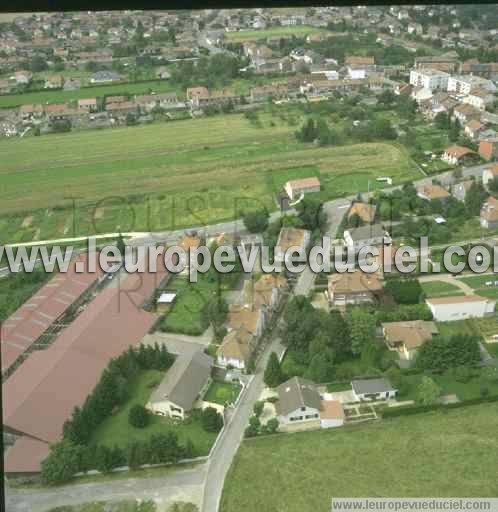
x,y
450,453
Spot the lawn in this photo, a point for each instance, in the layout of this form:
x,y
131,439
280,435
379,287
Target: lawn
x,y
222,392
116,431
170,175
440,289
253,35
478,283
449,385
492,348
446,454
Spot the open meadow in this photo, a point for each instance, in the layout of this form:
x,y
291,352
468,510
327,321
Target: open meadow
x,y
449,453
173,174
254,35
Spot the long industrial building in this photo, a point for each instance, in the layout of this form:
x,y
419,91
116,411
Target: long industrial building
x,y
42,393
25,326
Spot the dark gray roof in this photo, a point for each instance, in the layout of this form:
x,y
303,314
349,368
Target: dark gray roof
x,y
366,232
367,386
296,393
184,380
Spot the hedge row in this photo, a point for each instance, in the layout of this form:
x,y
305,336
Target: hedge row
x,y
409,410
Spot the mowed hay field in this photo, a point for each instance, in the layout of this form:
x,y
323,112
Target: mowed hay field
x,y
443,454
171,175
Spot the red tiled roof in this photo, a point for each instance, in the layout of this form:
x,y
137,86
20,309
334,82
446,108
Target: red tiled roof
x,y
42,393
25,456
33,318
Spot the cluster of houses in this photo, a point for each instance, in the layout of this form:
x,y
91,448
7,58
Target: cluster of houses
x,y
303,405
465,91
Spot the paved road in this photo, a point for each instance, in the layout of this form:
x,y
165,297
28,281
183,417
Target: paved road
x,y
335,211
180,485
222,457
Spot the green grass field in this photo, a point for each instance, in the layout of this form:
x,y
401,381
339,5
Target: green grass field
x,y
171,175
254,35
48,96
116,431
440,289
222,392
451,453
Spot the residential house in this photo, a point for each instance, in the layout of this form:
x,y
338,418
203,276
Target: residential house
x,y
421,94
297,239
30,112
101,77
365,211
201,97
331,414
428,78
456,155
433,192
162,73
489,213
372,234
445,63
407,337
466,113
54,82
356,60
72,84
355,287
23,77
5,87
246,317
446,309
269,92
440,102
88,104
465,84
488,149
236,349
266,293
121,109
489,174
298,403
479,98
297,188
373,389
184,383
459,190
473,129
